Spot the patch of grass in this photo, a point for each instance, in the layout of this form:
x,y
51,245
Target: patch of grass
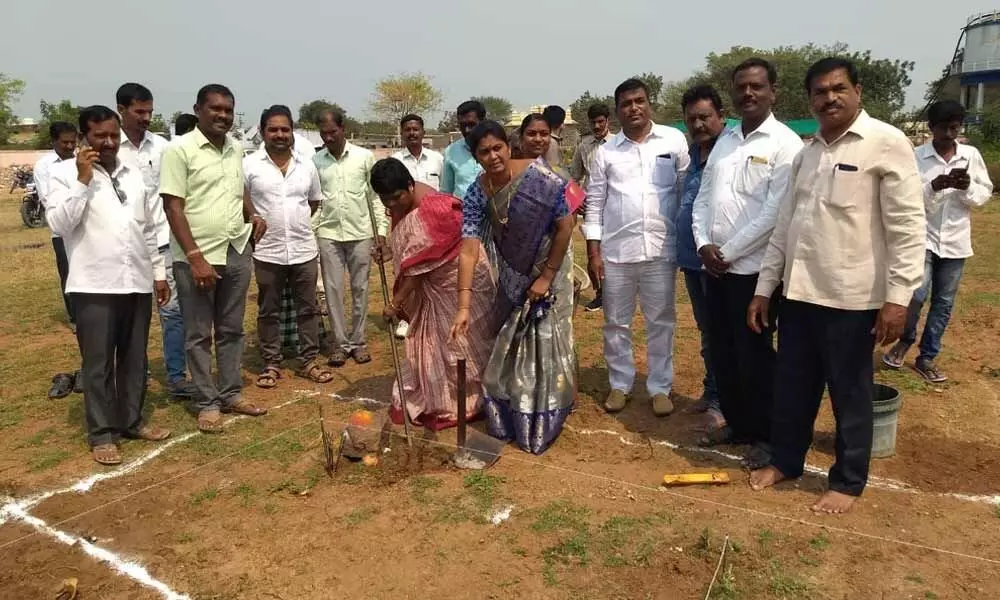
x,y
246,492
904,380
704,543
205,495
9,417
820,542
359,516
808,560
294,485
930,596
914,579
420,486
185,537
270,508
208,445
454,511
996,511
519,551
560,514
983,298
789,586
626,541
765,537
569,552
46,459
725,586
483,487
38,439
282,450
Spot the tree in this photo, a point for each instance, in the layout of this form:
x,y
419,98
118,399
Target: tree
x,y
157,124
64,110
497,108
403,94
310,111
448,123
884,81
10,92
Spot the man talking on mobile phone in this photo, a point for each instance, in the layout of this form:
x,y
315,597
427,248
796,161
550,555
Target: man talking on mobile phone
x,y
211,222
105,213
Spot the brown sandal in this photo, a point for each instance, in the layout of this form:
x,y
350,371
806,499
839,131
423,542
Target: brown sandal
x,y
242,407
268,378
361,355
107,454
210,421
315,372
152,433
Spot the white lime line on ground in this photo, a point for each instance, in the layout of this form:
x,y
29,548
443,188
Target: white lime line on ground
x,y
876,482
12,510
122,566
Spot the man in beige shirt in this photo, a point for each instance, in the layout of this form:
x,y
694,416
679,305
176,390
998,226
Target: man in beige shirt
x,y
849,247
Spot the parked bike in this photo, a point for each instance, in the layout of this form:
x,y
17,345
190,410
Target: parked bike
x,y
32,211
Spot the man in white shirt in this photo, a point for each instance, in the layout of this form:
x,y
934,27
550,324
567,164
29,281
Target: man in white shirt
x,y
63,136
955,181
747,175
143,150
635,182
425,165
103,209
284,188
848,250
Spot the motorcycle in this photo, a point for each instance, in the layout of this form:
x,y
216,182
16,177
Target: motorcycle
x,y
32,211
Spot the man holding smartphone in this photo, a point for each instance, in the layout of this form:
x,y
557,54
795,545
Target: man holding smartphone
x,y
955,181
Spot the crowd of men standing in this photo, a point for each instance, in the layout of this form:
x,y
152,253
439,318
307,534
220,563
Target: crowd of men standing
x,y
821,245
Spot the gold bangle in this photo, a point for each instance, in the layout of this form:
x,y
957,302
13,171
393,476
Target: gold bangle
x,y
191,253
463,308
468,289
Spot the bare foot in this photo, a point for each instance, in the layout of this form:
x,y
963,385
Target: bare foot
x,y
834,503
764,478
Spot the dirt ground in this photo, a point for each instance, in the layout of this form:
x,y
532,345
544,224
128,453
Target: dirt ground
x,y
250,514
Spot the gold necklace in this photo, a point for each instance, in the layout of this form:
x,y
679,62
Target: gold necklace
x,y
492,193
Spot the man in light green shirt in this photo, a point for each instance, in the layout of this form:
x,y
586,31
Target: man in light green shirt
x,y
211,222
344,234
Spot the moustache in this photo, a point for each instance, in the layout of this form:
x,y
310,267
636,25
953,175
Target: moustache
x,y
831,105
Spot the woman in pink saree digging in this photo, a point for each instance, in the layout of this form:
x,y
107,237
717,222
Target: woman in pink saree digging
x,y
425,240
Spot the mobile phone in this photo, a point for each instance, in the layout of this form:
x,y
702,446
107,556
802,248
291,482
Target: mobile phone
x,y
960,172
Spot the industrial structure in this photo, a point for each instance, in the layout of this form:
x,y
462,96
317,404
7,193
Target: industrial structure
x,y
974,73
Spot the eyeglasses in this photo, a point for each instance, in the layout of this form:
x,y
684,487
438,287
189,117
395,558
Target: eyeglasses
x,y
122,196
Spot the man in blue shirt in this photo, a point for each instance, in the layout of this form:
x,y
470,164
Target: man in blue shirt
x,y
702,108
460,166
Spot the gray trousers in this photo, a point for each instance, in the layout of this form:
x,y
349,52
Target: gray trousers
x,y
272,280
112,331
338,259
219,309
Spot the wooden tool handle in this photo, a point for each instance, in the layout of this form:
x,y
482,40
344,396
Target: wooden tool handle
x,y
461,393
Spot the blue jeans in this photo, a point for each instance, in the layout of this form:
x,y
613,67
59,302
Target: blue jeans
x,y
172,324
941,277
694,281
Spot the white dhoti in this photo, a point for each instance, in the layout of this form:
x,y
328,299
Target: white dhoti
x,y
653,283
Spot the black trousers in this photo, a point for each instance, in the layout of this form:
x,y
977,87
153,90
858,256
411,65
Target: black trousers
x,y
272,280
743,361
62,265
113,330
820,346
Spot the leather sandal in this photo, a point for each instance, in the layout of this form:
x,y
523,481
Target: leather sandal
x,y
210,421
314,371
107,454
242,407
152,433
268,377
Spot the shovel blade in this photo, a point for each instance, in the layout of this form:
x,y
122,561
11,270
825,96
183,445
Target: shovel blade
x,y
480,451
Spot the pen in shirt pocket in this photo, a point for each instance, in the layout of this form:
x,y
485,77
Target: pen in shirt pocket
x,y
845,168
